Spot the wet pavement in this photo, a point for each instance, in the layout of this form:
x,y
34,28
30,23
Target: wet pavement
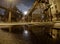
x,y
19,36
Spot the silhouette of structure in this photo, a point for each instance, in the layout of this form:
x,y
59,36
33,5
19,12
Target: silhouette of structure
x,y
40,11
16,14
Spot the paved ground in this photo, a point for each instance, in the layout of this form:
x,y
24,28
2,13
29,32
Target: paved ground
x,y
15,38
33,37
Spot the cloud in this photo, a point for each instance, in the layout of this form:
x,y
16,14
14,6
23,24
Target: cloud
x,y
28,2
22,7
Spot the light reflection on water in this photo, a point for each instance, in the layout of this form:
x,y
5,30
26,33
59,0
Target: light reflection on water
x,y
35,34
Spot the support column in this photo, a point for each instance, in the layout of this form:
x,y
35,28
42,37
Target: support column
x,y
9,20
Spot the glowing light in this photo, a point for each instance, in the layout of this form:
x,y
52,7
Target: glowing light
x,y
25,12
25,31
10,0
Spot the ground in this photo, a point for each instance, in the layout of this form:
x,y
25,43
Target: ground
x,y
33,37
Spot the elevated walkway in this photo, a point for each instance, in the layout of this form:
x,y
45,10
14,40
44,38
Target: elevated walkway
x,y
3,25
55,24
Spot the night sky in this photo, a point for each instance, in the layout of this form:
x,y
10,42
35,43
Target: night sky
x,y
23,5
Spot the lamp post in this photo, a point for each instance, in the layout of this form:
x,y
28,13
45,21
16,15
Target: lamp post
x,y
10,13
10,1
